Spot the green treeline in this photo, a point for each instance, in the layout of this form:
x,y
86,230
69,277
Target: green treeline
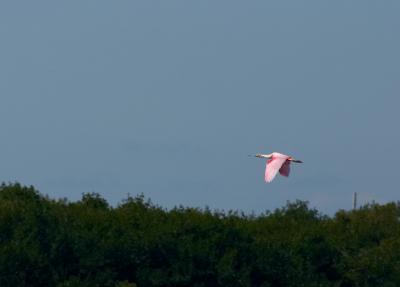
x,y
46,242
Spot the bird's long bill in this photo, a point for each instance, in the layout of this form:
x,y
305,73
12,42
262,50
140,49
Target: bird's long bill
x,y
296,160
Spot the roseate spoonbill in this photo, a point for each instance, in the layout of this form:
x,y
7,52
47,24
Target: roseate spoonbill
x,y
277,162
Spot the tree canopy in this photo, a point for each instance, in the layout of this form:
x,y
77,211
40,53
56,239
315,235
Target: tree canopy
x,y
48,242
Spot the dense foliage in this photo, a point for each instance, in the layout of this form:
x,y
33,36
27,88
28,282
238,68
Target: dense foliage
x,y
45,242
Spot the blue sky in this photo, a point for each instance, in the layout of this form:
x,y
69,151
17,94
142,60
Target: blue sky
x,y
167,98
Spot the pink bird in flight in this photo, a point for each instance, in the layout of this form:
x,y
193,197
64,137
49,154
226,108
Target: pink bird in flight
x,y
277,162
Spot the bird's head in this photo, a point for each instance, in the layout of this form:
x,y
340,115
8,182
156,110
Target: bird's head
x,y
263,155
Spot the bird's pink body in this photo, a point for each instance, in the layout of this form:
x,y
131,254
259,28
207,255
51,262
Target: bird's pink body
x,y
277,162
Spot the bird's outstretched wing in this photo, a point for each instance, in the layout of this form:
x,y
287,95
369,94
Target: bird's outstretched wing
x,y
285,169
273,166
